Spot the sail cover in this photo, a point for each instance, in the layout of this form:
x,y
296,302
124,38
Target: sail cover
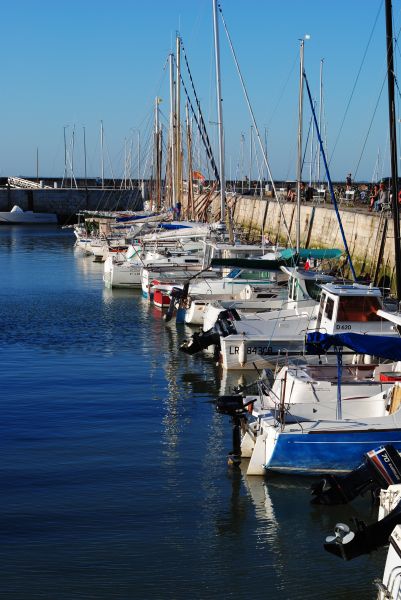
x,y
375,345
318,253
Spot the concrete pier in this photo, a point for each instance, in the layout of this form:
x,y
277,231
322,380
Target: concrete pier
x,y
66,202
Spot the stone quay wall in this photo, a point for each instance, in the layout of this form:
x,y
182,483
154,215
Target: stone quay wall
x,y
66,202
370,236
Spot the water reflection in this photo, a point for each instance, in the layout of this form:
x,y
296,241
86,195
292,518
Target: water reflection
x,y
293,531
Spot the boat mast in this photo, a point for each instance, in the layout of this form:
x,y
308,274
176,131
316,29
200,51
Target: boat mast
x,y
250,156
320,116
172,131
85,169
157,155
190,194
219,113
178,119
393,145
299,165
101,151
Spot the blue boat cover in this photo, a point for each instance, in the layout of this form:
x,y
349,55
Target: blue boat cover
x,y
172,226
375,345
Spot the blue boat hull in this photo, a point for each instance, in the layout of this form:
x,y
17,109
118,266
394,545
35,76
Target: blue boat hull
x,y
331,452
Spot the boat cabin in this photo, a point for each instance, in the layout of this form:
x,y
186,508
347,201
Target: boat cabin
x,y
352,308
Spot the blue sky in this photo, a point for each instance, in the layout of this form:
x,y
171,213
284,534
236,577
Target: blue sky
x,y
75,63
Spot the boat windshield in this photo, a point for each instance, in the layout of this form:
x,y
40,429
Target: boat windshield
x,y
233,273
241,274
357,308
313,288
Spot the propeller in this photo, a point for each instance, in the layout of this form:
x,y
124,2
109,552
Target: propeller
x,y
342,535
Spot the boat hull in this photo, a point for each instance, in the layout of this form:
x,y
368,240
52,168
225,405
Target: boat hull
x,y
324,452
27,218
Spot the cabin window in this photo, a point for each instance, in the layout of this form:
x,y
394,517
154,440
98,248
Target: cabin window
x,y
258,275
233,273
320,314
314,290
328,311
358,309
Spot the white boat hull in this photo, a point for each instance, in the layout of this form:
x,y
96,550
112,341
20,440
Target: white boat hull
x,y
27,218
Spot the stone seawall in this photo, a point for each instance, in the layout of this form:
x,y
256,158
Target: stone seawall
x,y
67,202
370,236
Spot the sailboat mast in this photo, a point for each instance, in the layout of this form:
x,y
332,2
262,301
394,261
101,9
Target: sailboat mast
x,y
219,113
299,166
172,131
178,119
320,115
393,145
157,154
101,152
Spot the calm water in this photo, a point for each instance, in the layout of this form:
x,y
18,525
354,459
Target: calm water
x,y
114,480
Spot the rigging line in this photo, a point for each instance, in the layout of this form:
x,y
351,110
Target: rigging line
x,y
370,127
203,133
194,90
201,127
307,141
278,103
264,154
326,166
375,109
355,83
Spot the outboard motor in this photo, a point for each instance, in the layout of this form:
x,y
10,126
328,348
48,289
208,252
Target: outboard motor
x,y
200,341
348,544
175,294
234,407
225,322
381,467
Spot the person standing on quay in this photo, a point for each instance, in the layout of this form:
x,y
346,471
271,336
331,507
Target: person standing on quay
x,y
349,181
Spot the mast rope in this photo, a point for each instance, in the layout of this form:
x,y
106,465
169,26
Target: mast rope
x,y
333,196
200,123
355,83
264,154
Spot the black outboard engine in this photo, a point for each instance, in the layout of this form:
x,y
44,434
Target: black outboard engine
x,y
200,341
381,467
175,294
224,326
234,407
348,544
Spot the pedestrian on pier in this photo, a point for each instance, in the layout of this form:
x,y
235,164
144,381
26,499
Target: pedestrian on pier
x,y
373,197
291,195
349,181
382,198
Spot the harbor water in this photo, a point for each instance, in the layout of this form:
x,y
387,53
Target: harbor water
x,y
114,472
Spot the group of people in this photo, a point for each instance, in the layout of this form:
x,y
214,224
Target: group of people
x,y
378,198
306,192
